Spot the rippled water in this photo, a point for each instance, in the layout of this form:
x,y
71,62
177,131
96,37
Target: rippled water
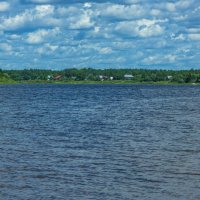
x,y
99,142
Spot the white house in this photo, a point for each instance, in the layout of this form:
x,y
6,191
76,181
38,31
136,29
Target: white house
x,y
169,77
101,76
128,76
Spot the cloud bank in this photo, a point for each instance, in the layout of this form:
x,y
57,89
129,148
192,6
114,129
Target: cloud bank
x,y
57,34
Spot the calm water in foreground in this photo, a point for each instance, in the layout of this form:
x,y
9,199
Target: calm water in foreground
x,y
99,142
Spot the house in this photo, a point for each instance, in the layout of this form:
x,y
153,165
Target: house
x,y
57,78
128,76
102,77
49,77
169,77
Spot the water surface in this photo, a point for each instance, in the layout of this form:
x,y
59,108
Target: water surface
x,y
99,142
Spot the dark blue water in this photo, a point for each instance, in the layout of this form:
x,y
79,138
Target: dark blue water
x,y
108,142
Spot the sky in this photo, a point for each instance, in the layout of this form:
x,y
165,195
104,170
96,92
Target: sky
x,y
60,34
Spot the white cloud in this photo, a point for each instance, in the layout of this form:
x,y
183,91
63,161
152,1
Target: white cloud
x,y
105,50
133,1
67,11
194,30
184,3
161,43
6,48
155,12
170,58
122,11
15,37
101,32
41,1
39,36
47,49
96,29
142,28
183,50
44,10
149,31
175,7
178,37
180,17
171,7
41,50
16,22
75,17
30,17
87,5
80,22
158,59
110,28
194,33
194,36
52,47
4,6
151,60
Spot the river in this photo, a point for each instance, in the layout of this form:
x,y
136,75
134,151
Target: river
x,y
98,142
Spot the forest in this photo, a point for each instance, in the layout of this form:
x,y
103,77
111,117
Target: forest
x,y
100,75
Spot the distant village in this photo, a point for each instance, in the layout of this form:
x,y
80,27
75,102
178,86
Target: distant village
x,y
90,74
100,77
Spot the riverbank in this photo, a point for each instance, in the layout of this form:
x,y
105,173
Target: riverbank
x,y
95,82
100,76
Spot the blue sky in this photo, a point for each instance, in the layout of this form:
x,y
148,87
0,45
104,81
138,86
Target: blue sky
x,y
58,34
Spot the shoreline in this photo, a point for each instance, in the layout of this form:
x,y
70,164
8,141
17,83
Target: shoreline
x,y
101,76
95,83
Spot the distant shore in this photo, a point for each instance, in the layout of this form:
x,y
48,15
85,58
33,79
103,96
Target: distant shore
x,y
100,76
125,82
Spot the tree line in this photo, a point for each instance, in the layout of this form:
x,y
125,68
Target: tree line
x,y
90,74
